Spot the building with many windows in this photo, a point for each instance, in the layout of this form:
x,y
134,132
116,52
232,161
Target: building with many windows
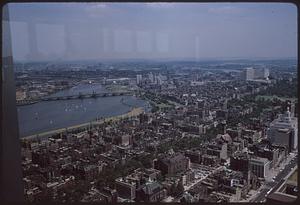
x,y
284,131
248,74
139,79
172,164
259,166
261,73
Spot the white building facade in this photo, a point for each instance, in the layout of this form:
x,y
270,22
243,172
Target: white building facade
x,y
248,74
284,131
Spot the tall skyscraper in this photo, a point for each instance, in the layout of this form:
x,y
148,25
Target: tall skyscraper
x,y
159,79
139,79
151,77
261,73
248,74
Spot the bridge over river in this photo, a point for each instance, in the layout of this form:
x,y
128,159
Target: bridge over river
x,y
83,96
77,96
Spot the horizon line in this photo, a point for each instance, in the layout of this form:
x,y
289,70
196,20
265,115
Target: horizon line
x,y
159,59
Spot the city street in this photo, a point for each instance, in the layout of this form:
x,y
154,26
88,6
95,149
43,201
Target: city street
x,y
278,180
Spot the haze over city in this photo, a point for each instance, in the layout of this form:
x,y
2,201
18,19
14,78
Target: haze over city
x,y
149,102
99,31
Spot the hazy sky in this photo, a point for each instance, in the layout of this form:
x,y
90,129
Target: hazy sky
x,y
78,31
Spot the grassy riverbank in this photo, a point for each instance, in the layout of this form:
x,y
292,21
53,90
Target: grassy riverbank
x,y
132,113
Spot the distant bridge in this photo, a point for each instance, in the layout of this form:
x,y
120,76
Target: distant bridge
x,y
72,97
84,96
25,102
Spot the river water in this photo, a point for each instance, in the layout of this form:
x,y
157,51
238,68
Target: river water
x,y
50,115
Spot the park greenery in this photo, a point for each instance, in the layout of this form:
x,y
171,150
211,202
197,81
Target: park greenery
x,y
283,88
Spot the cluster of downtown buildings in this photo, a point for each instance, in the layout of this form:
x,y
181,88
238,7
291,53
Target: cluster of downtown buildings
x,y
234,160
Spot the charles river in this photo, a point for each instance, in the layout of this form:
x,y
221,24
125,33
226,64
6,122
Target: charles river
x,y
50,115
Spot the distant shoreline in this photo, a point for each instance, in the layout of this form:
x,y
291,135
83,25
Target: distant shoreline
x,y
133,112
116,60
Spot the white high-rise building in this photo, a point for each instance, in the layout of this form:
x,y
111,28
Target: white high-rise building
x,y
151,77
266,73
284,131
139,79
159,80
248,74
261,73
